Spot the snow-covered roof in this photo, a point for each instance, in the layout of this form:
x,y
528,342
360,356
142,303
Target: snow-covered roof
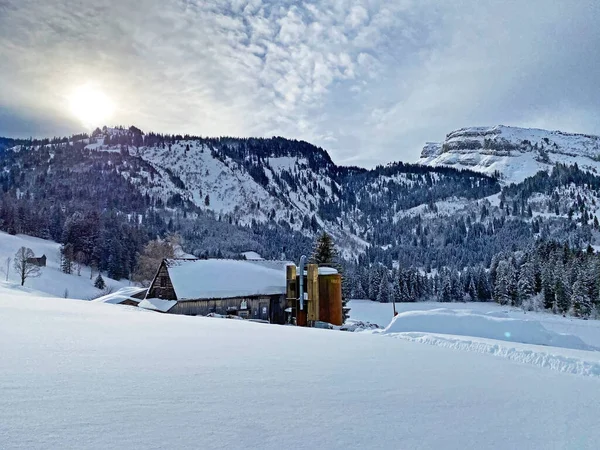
x,y
156,304
252,256
120,296
224,278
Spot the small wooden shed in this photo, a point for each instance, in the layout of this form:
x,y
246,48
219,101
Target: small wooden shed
x,y
40,262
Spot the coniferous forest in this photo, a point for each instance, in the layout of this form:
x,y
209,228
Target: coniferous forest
x,y
404,232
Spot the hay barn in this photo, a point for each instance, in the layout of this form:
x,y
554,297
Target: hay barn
x,y
249,289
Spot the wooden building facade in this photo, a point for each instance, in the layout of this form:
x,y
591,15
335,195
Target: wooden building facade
x,y
248,289
40,262
269,308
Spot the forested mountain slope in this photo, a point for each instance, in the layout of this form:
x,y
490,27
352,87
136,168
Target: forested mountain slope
x,y
113,191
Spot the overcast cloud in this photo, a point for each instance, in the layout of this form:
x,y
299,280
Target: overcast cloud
x,y
369,80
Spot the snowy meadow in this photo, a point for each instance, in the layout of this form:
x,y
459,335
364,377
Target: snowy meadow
x,y
89,375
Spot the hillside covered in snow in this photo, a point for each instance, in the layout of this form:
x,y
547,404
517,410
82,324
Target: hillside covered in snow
x,y
512,153
52,280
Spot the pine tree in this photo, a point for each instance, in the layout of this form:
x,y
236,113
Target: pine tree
x,y
396,286
526,282
548,286
446,294
324,252
373,283
358,292
471,290
513,286
99,282
484,291
562,301
582,305
404,290
502,285
384,294
66,256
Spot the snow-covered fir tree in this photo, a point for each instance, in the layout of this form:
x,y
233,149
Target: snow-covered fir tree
x,y
99,282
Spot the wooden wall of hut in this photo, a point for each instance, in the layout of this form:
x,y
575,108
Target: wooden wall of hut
x,y
162,287
269,308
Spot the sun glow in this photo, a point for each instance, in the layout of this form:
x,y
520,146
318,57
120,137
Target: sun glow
x,y
91,106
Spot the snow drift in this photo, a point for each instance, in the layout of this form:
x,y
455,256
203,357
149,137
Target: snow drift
x,y
490,326
578,363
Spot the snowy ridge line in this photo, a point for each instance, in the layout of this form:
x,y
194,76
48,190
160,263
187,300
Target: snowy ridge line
x,y
560,363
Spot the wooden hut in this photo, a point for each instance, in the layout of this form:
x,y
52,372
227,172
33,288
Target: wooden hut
x,y
249,289
40,262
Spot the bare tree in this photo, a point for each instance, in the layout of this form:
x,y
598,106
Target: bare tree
x,y
79,261
93,266
23,265
7,270
152,256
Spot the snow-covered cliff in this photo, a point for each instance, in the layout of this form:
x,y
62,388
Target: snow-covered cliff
x,y
513,153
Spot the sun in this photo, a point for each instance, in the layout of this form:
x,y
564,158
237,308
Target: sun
x,y
91,106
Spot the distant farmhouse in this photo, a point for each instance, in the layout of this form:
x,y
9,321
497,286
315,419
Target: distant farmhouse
x,y
40,262
253,289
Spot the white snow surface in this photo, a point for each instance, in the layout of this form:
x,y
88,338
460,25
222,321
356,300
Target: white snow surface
x,y
577,362
484,325
157,304
122,294
52,280
223,278
568,344
85,375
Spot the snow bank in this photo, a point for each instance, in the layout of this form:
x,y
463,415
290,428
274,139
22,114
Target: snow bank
x,y
382,313
579,364
469,323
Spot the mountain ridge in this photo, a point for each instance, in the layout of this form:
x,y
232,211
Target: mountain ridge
x,y
512,153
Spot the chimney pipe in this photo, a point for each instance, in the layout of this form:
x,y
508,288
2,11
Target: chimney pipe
x,y
301,287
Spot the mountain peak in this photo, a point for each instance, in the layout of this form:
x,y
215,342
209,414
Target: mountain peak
x,y
514,153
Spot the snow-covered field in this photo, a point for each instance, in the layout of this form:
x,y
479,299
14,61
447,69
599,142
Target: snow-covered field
x,y
52,280
81,375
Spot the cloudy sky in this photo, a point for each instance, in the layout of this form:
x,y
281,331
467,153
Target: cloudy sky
x,y
368,80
